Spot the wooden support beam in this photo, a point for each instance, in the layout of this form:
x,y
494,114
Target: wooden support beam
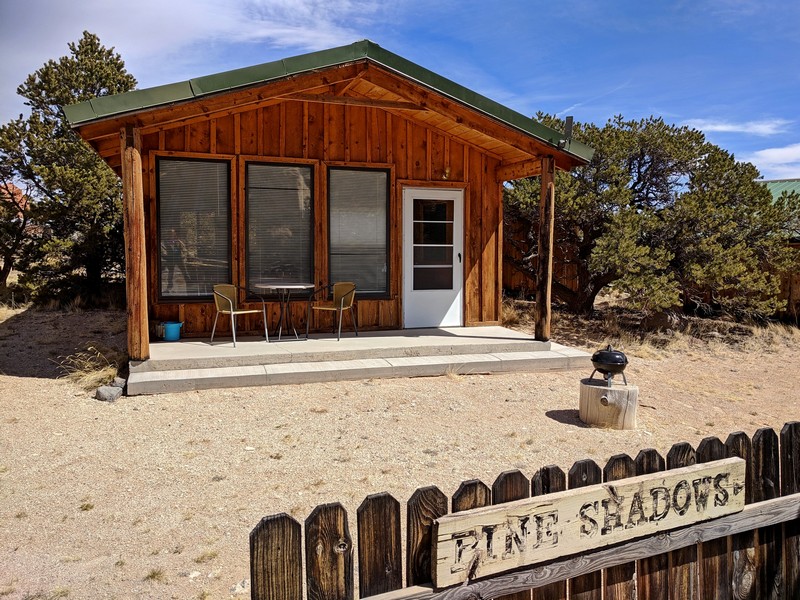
x,y
518,170
135,253
544,269
354,101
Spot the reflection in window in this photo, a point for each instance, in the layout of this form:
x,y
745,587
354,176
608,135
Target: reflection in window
x,y
279,223
193,226
358,212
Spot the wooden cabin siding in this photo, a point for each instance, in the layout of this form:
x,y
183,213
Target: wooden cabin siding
x,y
330,134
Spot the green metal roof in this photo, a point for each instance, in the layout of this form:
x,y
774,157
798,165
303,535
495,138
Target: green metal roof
x,y
778,186
104,107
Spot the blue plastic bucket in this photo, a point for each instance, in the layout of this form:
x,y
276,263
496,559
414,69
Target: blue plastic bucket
x,y
172,331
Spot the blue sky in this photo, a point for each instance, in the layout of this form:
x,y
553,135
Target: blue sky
x,y
728,67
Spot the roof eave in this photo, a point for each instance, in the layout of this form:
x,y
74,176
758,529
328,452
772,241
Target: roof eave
x,y
113,107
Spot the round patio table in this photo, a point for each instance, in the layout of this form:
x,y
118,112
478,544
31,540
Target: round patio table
x,y
284,291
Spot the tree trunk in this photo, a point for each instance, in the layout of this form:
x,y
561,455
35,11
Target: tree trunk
x,y
5,271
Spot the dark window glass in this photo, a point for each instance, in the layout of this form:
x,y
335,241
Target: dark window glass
x,y
435,278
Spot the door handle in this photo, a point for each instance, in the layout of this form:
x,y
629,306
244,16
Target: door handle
x,y
459,257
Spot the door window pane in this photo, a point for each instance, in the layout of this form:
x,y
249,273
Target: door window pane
x,y
193,226
433,244
433,233
279,223
436,278
433,255
433,210
358,212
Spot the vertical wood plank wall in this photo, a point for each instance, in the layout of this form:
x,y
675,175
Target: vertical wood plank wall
x,y
326,134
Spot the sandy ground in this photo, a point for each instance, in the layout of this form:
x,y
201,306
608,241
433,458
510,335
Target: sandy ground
x,y
154,497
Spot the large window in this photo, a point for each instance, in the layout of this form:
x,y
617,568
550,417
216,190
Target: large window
x,y
358,212
280,243
193,226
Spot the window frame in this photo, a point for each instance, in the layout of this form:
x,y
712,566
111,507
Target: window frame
x,y
259,160
383,295
158,157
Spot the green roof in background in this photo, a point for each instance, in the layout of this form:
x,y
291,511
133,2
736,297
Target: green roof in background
x,y
778,186
111,106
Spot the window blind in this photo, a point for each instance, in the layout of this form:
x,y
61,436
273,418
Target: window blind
x,y
279,223
358,212
193,226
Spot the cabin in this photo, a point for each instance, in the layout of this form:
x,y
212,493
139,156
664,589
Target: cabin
x,y
348,164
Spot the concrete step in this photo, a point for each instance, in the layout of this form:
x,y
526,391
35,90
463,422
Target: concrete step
x,y
157,381
196,354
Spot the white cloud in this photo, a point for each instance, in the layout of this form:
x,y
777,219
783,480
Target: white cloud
x,y
164,41
777,163
764,127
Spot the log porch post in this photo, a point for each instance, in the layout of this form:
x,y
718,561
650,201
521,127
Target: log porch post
x,y
544,269
135,256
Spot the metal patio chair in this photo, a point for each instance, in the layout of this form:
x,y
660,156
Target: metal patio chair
x,y
226,301
344,295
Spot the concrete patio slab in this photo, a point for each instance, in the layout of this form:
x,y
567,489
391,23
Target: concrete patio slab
x,y
192,364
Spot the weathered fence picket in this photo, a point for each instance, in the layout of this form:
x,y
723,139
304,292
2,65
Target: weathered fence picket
x,y
751,554
471,494
424,507
380,561
276,565
620,580
510,486
743,566
586,587
652,571
790,484
548,480
683,562
329,554
766,474
714,579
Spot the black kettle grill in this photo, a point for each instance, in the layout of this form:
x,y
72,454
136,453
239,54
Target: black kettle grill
x,y
609,362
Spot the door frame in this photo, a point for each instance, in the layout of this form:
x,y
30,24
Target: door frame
x,y
456,193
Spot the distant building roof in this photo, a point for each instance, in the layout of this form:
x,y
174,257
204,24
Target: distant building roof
x,y
778,186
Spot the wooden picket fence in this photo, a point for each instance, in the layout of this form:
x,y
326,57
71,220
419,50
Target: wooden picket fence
x,y
751,554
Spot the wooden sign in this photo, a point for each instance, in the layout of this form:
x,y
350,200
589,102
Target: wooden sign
x,y
495,539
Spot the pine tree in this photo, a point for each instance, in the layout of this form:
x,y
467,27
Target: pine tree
x,y
667,218
77,242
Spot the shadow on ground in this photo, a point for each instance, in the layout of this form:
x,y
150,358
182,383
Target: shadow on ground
x,y
567,417
34,342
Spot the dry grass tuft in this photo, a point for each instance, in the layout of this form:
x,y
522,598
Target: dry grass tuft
x,y
517,313
92,367
207,556
156,575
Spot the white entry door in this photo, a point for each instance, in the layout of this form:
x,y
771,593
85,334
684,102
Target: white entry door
x,y
433,249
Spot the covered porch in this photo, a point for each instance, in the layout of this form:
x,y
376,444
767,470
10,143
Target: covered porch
x,y
193,363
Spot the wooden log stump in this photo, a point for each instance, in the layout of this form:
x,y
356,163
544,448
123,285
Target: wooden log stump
x,y
605,406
